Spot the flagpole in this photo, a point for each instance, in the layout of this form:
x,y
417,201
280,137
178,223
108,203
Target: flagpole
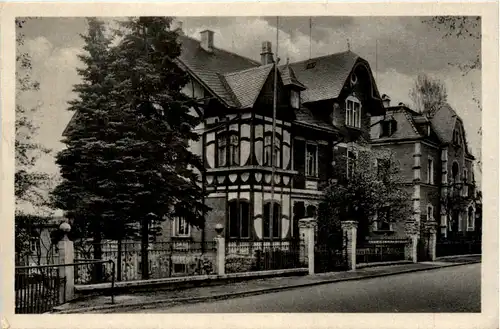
x,y
273,138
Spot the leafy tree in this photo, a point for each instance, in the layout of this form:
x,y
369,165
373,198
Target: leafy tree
x,y
373,184
29,184
428,94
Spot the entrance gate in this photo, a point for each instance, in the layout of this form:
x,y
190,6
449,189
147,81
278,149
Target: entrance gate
x,y
330,256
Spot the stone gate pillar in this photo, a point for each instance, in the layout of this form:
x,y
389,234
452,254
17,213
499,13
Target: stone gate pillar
x,y
66,273
349,230
307,229
431,228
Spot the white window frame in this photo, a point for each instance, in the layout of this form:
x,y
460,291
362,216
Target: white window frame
x,y
376,223
430,170
176,227
315,173
295,99
353,115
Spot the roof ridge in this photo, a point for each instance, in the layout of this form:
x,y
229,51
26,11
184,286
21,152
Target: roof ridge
x,y
321,57
224,50
246,70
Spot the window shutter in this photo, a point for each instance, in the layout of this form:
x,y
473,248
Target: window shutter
x,y
299,158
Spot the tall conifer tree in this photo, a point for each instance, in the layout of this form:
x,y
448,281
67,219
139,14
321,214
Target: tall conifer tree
x,y
155,127
87,191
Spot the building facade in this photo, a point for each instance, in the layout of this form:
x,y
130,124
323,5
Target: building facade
x,y
323,105
436,163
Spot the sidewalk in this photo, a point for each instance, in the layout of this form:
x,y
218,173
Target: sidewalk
x,y
143,300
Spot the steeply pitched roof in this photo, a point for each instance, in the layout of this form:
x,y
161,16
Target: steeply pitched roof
x,y
247,84
208,66
289,78
406,128
324,76
443,121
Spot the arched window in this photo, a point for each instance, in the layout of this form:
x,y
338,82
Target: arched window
x,y
353,112
470,219
454,171
430,210
239,214
267,220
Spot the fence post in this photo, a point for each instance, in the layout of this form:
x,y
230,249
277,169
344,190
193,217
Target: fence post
x,y
66,256
432,229
307,229
349,230
413,246
221,250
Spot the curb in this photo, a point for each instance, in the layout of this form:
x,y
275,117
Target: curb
x,y
191,300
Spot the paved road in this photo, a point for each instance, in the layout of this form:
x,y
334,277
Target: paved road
x,y
454,289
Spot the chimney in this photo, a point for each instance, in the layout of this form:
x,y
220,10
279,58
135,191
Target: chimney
x,y
386,100
207,40
266,56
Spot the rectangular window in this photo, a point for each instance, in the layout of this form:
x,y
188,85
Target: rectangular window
x,y
353,113
239,219
295,99
383,219
311,160
267,220
181,227
430,171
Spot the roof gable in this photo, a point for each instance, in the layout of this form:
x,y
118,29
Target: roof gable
x,y
247,84
324,76
207,67
443,121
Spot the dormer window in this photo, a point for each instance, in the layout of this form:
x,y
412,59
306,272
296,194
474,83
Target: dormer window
x,y
295,99
388,128
353,112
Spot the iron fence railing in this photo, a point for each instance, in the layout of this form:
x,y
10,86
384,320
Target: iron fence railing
x,y
38,289
247,256
458,247
165,259
381,251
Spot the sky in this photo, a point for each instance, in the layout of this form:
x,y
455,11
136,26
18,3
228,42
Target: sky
x,y
397,48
